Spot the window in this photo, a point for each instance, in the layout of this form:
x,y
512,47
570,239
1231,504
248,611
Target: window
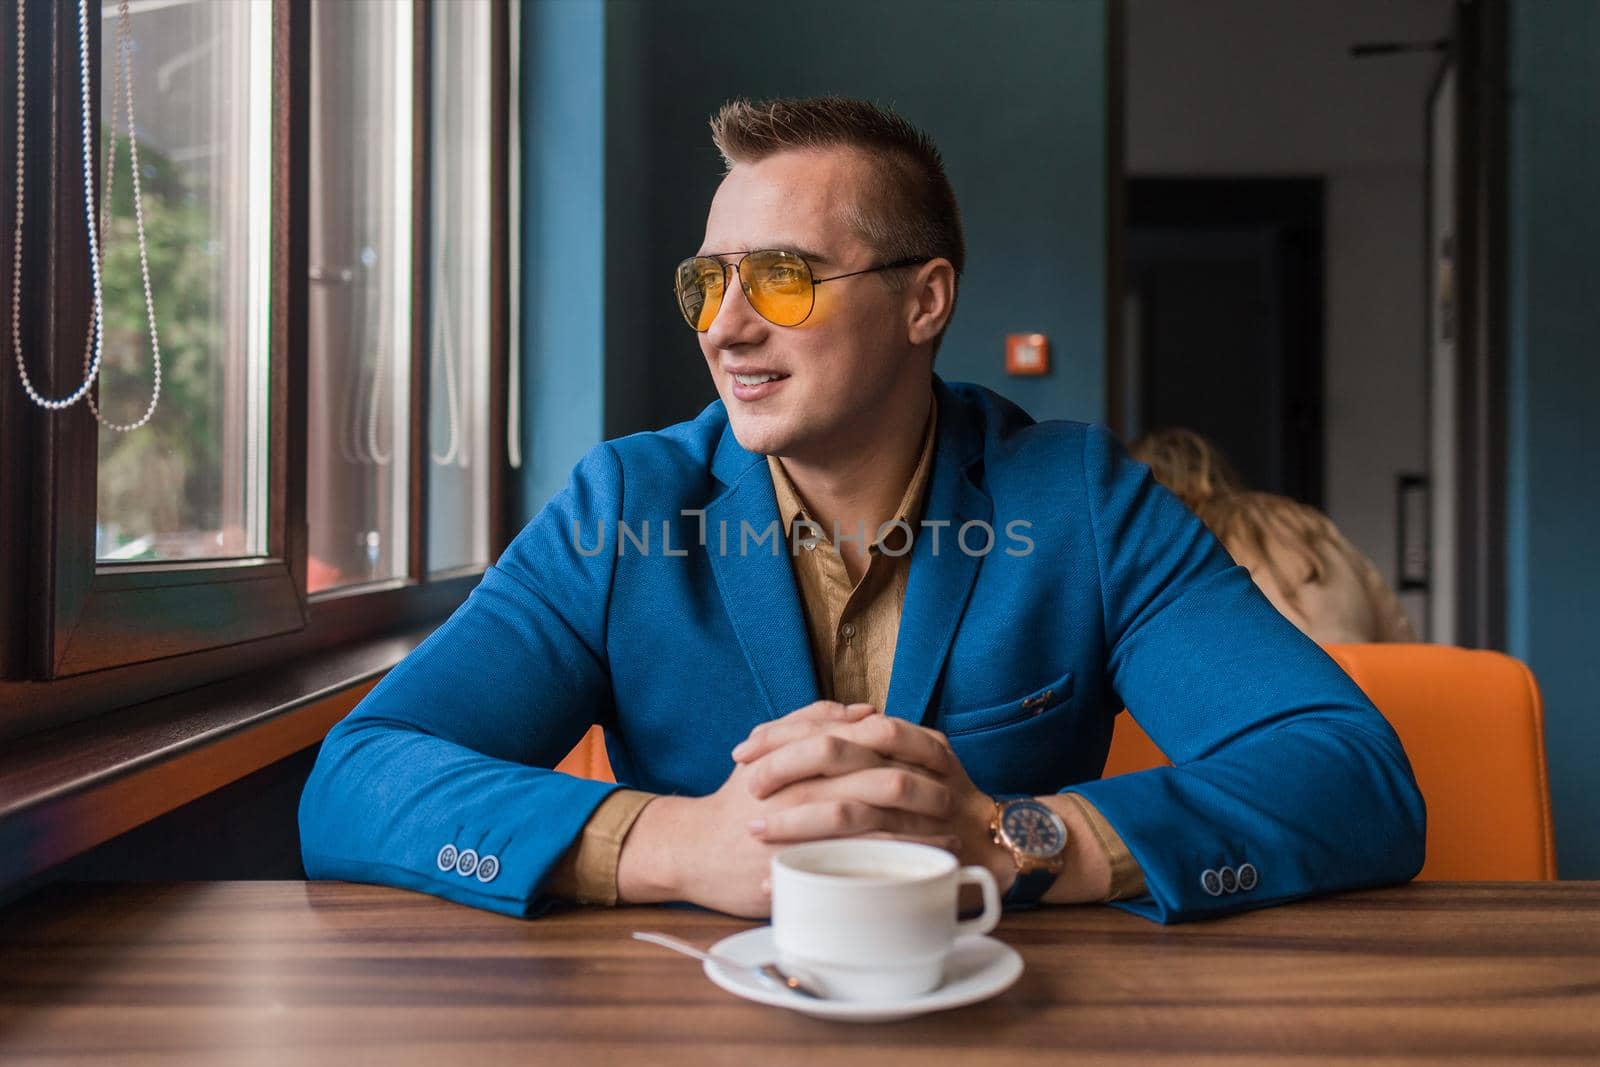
x,y
458,489
359,299
324,192
191,481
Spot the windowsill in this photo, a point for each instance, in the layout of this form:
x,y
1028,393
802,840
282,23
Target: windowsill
x,y
67,790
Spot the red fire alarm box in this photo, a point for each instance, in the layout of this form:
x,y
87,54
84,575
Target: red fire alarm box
x,y
1027,353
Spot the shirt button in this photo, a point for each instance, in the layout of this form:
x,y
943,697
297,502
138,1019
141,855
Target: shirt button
x,y
467,862
488,867
447,858
1211,882
847,631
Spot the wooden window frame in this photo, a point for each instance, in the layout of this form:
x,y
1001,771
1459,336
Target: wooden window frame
x,y
81,638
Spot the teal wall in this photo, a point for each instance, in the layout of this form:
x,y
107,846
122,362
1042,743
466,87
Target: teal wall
x,y
619,173
1553,398
563,220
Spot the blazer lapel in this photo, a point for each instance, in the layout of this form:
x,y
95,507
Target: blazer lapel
x,y
940,583
757,581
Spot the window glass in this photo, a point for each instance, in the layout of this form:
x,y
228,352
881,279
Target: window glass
x,y
459,343
191,482
359,292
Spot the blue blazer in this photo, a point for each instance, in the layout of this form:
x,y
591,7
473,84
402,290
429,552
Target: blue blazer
x,y
439,781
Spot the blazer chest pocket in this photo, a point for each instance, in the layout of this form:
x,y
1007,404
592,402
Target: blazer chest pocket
x,y
956,723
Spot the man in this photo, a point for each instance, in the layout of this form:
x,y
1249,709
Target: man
x,y
850,599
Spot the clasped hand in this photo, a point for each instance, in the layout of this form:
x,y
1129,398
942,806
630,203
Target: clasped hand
x,y
834,770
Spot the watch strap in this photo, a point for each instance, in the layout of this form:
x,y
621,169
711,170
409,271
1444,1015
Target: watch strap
x,y
1029,889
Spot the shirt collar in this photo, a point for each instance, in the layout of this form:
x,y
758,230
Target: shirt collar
x,y
792,509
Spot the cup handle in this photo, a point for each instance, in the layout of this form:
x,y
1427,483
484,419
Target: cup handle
x,y
980,876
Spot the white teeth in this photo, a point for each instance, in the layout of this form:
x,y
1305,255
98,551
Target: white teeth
x,y
755,379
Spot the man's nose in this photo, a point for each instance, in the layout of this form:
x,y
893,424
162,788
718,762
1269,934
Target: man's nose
x,y
736,322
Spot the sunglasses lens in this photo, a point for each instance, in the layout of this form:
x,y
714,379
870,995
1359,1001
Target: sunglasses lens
x,y
699,284
778,286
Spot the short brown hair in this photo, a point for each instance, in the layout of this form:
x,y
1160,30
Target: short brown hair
x,y
1188,464
908,213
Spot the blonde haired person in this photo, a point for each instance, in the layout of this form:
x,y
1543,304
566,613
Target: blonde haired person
x,y
1309,571
1188,464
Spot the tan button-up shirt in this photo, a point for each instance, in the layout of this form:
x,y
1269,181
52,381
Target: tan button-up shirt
x,y
852,628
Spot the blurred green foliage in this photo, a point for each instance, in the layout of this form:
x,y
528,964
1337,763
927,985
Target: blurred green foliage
x,y
165,477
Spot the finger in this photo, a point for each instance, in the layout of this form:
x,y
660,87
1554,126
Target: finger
x,y
901,741
900,788
820,711
797,724
841,818
820,756
891,737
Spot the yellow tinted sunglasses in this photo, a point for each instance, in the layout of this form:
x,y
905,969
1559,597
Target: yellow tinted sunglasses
x,y
778,284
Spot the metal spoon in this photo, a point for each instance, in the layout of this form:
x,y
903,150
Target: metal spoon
x,y
767,974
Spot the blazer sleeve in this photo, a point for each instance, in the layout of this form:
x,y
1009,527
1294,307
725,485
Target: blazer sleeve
x,y
438,780
1286,781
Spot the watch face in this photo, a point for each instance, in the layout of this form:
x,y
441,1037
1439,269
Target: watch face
x,y
1033,829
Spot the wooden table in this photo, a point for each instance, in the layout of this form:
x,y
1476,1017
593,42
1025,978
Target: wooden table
x,y
291,972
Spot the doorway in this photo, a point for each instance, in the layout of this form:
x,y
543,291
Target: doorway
x,y
1271,249
1223,321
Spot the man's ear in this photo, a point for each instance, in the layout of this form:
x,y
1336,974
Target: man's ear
x,y
930,298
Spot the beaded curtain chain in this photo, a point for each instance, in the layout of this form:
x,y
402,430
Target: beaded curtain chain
x,y
122,91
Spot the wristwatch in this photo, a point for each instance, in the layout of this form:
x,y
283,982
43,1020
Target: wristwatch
x,y
1037,840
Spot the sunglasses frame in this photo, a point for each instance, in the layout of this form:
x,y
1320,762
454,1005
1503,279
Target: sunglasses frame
x,y
911,261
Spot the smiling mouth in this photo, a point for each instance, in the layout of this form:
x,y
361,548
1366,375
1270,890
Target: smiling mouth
x,y
758,379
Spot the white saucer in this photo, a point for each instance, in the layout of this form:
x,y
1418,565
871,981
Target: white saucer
x,y
979,968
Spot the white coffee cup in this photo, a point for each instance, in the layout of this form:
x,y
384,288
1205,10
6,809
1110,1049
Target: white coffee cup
x,y
871,919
